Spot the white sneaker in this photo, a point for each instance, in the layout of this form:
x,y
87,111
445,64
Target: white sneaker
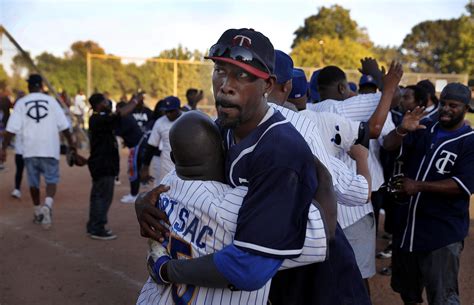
x,y
128,199
47,217
16,193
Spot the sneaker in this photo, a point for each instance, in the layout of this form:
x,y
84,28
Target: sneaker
x,y
103,235
108,231
128,199
16,193
387,253
47,217
386,271
37,219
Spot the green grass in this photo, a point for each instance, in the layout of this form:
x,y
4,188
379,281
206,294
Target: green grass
x,y
470,117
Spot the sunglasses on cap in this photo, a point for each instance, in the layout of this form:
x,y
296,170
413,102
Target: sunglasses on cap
x,y
237,53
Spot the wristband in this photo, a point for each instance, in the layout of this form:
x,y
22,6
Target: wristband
x,y
399,133
159,273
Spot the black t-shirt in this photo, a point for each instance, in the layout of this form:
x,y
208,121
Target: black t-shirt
x,y
104,157
142,116
129,130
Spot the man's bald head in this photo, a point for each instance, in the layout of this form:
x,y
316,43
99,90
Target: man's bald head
x,y
197,148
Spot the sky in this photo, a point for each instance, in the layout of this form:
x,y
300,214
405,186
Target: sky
x,y
143,28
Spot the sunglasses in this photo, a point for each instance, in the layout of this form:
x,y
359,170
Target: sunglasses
x,y
238,53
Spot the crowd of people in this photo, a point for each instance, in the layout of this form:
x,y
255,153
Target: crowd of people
x,y
277,200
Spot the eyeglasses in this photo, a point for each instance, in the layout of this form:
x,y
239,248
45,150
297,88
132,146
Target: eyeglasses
x,y
238,53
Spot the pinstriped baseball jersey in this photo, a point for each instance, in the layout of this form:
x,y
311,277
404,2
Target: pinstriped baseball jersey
x,y
350,189
310,133
203,217
359,108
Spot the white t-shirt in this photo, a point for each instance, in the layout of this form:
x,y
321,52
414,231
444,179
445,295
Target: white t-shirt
x,y
79,106
203,217
38,119
337,132
160,137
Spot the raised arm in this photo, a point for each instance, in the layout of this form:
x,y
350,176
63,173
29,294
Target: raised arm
x,y
410,122
390,85
369,66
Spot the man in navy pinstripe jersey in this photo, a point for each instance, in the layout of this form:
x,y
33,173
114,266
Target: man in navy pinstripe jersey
x,y
438,164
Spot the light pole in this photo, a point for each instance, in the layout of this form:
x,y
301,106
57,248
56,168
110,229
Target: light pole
x,y
321,44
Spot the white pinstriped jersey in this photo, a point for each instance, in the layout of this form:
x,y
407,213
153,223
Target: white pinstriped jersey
x,y
359,108
350,189
203,217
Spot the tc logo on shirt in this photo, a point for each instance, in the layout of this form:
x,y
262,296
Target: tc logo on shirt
x,y
37,110
441,163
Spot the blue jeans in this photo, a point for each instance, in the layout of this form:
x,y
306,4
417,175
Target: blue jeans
x,y
101,197
37,166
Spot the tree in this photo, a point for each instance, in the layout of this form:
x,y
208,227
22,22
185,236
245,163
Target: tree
x,y
385,55
470,8
441,46
333,22
344,53
80,48
331,37
3,78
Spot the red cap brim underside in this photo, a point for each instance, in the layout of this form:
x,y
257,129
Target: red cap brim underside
x,y
246,67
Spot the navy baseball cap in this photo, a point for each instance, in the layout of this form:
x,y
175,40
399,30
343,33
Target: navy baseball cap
x,y
313,86
170,103
300,84
247,49
367,80
283,67
35,80
457,92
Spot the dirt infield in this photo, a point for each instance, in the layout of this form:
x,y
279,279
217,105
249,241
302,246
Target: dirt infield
x,y
64,266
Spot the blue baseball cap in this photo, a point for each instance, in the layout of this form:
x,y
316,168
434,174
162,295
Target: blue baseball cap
x,y
300,84
457,92
353,86
313,86
171,103
367,80
283,67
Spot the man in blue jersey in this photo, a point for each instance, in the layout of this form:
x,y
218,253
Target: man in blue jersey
x,y
438,167
281,182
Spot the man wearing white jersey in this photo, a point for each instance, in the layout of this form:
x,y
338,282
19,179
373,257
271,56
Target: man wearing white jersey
x,y
203,214
159,137
38,119
358,221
